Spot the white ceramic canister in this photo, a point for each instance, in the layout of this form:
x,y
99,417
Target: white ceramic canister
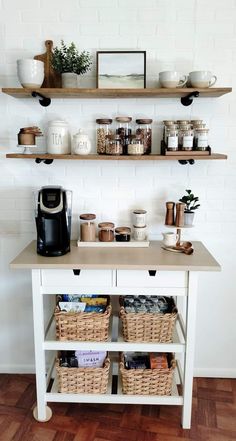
x,y
81,143
140,233
58,138
139,218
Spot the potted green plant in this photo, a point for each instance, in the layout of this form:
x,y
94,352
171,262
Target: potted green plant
x,y
71,63
191,203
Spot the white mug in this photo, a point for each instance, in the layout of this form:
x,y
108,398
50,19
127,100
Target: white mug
x,y
30,73
170,239
172,79
202,78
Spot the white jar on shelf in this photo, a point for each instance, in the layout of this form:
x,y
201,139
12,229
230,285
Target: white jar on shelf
x,y
81,143
58,138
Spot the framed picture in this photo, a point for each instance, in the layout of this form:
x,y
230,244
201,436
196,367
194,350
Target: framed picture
x,y
121,69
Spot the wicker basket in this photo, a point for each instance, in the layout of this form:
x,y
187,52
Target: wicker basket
x,y
148,327
148,381
82,326
83,380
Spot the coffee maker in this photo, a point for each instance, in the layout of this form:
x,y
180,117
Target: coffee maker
x,y
53,220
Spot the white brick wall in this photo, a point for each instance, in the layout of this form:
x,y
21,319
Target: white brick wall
x,y
184,35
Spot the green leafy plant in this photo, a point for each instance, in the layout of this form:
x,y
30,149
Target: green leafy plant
x,y
69,59
190,201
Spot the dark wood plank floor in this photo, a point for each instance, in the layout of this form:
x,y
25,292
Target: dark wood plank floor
x,y
213,417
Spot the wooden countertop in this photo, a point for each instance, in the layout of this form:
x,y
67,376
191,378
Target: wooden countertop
x,y
151,258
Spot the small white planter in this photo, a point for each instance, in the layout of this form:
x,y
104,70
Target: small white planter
x,y
188,218
69,80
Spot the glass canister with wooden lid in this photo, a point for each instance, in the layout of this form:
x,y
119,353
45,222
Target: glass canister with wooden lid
x,y
103,131
144,130
106,231
87,227
123,129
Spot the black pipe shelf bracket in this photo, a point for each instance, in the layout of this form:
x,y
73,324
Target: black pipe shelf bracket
x,y
45,161
188,99
43,100
186,161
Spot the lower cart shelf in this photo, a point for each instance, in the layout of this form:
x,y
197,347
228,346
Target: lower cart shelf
x,y
114,396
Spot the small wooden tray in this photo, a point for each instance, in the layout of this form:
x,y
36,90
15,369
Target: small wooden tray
x,y
192,153
98,244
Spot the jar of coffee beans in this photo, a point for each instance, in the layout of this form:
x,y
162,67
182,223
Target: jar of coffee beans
x,y
103,131
123,129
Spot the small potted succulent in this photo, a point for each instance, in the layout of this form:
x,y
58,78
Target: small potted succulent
x,y
191,203
71,63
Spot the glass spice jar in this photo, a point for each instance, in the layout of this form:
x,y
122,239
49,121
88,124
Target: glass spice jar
x,y
103,130
114,145
136,147
144,130
123,129
123,234
87,227
139,218
182,129
169,127
201,139
172,139
106,231
187,139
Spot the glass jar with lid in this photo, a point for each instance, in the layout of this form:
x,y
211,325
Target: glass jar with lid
x,y
201,139
114,145
87,227
144,129
103,130
123,129
172,138
136,147
187,139
167,123
106,231
182,129
123,234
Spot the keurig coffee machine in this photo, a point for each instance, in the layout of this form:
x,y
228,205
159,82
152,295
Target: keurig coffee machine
x,y
53,220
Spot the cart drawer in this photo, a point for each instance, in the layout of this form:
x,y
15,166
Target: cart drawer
x,y
72,277
151,279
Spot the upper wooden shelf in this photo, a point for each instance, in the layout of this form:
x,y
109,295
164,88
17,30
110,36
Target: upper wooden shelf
x,y
178,157
117,93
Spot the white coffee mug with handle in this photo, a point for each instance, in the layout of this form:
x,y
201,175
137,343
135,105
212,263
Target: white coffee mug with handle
x,y
172,79
202,78
170,239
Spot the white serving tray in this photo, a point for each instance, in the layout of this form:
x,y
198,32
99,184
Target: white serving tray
x,y
98,244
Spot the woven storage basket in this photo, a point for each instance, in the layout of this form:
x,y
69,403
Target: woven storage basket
x,y
82,326
148,327
83,380
148,381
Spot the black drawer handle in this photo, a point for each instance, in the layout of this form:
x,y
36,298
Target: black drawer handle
x,y
152,273
76,272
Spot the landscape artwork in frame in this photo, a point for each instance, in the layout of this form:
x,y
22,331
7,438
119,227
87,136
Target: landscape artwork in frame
x,y
121,70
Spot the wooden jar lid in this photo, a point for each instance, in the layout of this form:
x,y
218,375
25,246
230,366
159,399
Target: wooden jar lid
x,y
88,216
123,230
144,121
103,121
106,225
123,118
139,212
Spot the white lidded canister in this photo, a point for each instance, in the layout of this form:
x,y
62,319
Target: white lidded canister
x,y
58,138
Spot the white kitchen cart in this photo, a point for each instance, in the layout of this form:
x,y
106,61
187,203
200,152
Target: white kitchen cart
x,y
114,271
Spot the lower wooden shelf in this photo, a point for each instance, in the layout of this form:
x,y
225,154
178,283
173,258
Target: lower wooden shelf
x,y
94,157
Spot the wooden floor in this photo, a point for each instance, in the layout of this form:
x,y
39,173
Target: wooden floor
x,y
213,418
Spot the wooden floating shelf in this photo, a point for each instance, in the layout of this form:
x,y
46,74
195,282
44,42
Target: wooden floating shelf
x,y
116,93
118,158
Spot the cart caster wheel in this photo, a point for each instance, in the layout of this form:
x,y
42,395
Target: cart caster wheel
x,y
48,414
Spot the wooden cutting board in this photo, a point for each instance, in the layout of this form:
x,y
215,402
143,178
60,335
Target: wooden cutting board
x,y
52,78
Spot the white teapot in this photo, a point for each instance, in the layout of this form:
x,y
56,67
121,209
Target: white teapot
x,y
81,143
